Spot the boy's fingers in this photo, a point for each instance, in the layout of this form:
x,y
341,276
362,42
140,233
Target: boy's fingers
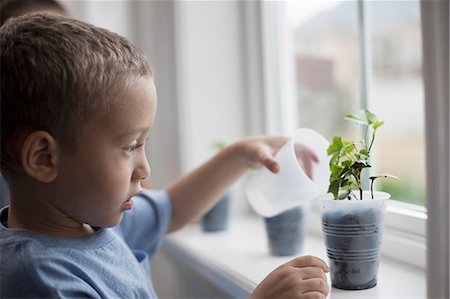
x,y
316,285
265,157
313,295
307,165
309,261
304,151
307,158
271,164
313,272
277,142
314,157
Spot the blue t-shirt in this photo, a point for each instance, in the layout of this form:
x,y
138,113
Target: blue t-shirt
x,y
112,263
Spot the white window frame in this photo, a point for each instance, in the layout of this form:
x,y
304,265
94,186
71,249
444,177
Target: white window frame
x,y
435,32
406,224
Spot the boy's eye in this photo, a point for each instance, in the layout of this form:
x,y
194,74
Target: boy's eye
x,y
133,147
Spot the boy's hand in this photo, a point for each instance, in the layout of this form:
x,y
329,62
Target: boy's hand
x,y
303,278
260,151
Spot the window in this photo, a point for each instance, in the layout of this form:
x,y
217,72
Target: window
x,y
330,58
350,55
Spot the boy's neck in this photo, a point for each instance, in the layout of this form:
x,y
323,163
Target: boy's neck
x,y
40,216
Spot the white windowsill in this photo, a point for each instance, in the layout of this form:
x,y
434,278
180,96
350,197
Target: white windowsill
x,y
238,259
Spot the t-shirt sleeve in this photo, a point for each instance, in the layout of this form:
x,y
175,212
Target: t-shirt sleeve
x,y
145,225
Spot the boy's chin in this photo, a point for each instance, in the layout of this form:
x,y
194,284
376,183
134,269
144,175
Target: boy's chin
x,y
109,223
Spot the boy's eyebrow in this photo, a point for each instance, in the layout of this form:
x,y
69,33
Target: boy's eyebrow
x,y
133,132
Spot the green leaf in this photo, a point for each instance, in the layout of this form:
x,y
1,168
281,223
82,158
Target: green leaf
x,y
334,159
377,124
335,170
346,183
334,188
364,152
363,117
371,118
350,148
346,142
356,118
347,163
336,146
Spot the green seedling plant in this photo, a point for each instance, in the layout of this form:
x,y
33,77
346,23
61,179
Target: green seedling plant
x,y
349,158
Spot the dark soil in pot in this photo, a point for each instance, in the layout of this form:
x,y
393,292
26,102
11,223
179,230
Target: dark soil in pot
x,y
217,218
285,232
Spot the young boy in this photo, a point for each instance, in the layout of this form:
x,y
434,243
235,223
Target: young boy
x,y
77,105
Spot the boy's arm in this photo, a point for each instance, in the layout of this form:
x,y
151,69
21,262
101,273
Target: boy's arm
x,y
197,191
150,216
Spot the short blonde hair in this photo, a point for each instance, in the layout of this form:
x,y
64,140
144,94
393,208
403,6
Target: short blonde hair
x,y
57,73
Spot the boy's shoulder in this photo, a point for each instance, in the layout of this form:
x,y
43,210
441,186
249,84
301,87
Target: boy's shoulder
x,y
99,266
24,259
27,259
47,264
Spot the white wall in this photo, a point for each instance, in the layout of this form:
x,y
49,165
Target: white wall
x,y
210,72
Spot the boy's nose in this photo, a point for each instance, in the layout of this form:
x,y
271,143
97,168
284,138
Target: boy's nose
x,y
142,170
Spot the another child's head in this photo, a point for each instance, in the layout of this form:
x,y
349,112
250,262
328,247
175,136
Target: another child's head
x,y
15,8
77,104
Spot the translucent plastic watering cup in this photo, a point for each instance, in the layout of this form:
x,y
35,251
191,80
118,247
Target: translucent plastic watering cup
x,y
270,194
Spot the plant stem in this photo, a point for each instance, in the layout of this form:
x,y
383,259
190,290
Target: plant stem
x,y
373,139
371,187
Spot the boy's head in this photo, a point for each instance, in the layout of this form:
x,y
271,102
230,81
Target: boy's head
x,y
77,102
15,8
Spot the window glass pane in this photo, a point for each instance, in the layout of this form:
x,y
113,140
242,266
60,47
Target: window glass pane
x,y
396,94
327,64
327,52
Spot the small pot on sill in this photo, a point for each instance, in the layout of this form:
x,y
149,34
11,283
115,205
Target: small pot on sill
x,y
286,231
217,218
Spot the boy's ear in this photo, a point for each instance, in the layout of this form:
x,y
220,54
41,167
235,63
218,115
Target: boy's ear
x,y
39,156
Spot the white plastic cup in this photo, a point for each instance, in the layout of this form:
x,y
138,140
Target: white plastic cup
x,y
353,232
270,194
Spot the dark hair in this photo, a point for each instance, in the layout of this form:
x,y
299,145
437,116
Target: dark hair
x,y
15,8
57,73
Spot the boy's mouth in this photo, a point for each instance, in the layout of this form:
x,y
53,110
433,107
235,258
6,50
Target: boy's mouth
x,y
127,205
